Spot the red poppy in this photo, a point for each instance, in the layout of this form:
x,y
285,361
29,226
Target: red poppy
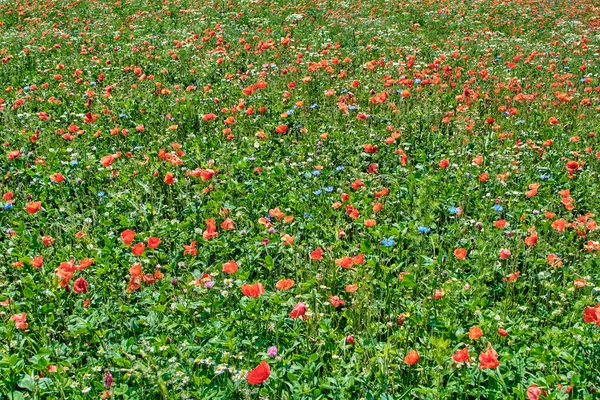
x,y
502,332
253,290
211,229
475,333
592,315
80,286
488,359
317,254
37,262
412,357
230,267
127,236
153,242
298,311
169,179
135,270
33,207
504,254
259,374
336,301
20,320
83,264
190,249
57,177
462,356
228,224
444,163
460,253
284,284
138,249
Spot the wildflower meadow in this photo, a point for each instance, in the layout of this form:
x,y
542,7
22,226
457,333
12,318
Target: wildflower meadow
x,y
312,199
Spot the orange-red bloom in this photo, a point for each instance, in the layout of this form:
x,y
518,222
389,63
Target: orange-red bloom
x,y
253,290
230,267
259,374
462,356
488,359
412,357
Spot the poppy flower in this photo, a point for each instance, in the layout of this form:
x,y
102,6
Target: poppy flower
x,y
592,315
351,288
462,356
211,229
559,225
534,392
475,333
190,249
254,290
317,254
370,223
259,374
284,284
444,163
135,270
57,177
230,267
336,301
20,320
298,311
460,253
504,254
33,207
488,359
80,286
169,179
83,264
500,224
412,357
127,236
37,262
502,332
138,249
228,224
153,242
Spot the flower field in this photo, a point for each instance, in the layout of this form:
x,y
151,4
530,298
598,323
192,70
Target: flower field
x,y
299,200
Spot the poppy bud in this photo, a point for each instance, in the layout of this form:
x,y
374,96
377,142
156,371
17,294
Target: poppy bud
x,y
350,339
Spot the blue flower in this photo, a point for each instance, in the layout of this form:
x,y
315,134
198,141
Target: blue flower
x,y
340,168
316,172
306,215
101,194
268,216
8,206
122,115
26,88
329,189
545,177
93,83
388,242
469,175
417,81
454,210
74,163
318,192
313,106
290,112
498,207
424,229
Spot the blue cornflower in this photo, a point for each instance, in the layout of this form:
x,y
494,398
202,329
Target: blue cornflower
x,y
290,112
545,177
26,88
101,194
313,106
316,172
318,192
93,83
417,81
498,207
329,189
424,229
74,163
268,216
340,168
454,210
122,115
388,242
306,215
8,206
